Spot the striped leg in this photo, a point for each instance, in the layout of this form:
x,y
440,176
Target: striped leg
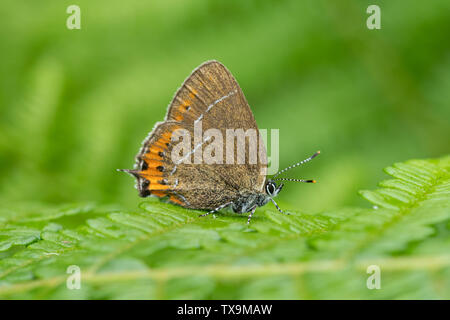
x,y
278,208
251,215
216,209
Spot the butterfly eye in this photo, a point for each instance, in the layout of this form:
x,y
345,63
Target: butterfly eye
x,y
270,188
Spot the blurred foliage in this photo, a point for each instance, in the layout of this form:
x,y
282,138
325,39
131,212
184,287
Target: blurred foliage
x,y
76,104
163,251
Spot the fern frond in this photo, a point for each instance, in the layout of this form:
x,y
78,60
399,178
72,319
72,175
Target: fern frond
x,y
163,251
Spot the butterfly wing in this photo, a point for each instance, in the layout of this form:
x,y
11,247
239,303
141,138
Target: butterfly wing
x,y
209,88
212,98
212,95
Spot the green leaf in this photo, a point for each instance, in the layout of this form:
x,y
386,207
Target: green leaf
x,y
162,251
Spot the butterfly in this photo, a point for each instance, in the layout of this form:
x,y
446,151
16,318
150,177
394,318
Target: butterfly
x,y
210,96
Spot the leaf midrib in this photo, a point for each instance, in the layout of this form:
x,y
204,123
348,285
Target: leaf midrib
x,y
404,211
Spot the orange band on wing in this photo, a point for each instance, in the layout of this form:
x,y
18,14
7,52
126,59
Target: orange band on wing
x,y
153,179
150,156
165,137
159,193
156,149
183,108
162,143
151,172
158,186
154,168
154,163
176,200
193,93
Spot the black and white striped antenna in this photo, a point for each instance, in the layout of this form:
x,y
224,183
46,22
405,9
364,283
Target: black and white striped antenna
x,y
293,166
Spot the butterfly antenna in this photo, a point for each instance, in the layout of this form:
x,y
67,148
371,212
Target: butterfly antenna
x,y
294,180
296,165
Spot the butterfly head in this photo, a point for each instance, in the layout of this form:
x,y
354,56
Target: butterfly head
x,y
272,189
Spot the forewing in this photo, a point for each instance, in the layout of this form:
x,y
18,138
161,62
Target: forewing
x,y
211,96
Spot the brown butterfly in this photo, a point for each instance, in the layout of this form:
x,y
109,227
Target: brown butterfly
x,y
210,96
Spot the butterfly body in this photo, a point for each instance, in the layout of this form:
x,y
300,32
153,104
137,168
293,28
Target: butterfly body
x,y
246,202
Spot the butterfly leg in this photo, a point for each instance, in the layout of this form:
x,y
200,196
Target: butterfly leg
x,y
278,208
216,209
251,215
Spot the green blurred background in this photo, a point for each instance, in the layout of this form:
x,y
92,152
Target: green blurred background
x,y
76,104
